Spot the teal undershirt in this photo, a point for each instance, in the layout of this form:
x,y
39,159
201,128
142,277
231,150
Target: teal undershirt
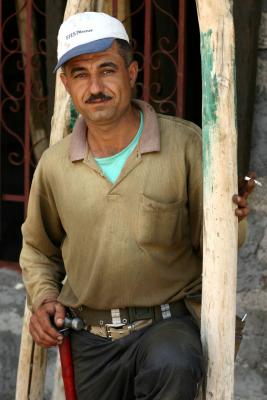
x,y
112,166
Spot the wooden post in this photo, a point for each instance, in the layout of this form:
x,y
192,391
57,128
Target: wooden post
x,y
220,183
32,365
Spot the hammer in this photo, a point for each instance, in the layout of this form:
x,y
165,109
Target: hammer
x,y
76,324
66,357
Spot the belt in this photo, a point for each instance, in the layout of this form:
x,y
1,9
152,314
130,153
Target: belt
x,y
92,317
117,331
119,322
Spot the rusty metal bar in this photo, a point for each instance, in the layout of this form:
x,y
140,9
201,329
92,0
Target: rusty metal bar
x,y
114,8
28,59
10,265
180,109
13,197
1,77
147,49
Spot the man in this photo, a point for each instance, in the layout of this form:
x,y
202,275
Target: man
x,y
114,225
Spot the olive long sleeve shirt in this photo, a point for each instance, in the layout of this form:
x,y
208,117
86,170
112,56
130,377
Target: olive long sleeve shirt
x,y
136,242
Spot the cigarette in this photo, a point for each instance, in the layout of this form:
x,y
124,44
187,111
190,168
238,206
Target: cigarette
x,y
244,318
247,178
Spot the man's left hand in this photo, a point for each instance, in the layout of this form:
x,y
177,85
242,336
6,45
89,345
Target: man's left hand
x,y
245,188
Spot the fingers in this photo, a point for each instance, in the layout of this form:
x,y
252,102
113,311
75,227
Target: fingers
x,y
243,210
59,315
241,213
245,187
240,201
41,328
40,336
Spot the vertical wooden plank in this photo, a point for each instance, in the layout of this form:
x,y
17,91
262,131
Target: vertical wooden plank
x,y
219,171
32,365
115,8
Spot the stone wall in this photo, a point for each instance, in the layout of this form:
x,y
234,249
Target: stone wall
x,y
251,368
259,135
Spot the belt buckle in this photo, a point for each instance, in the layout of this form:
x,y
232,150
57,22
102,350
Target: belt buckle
x,y
108,328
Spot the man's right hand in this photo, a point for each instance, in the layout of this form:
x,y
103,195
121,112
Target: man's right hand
x,y
44,333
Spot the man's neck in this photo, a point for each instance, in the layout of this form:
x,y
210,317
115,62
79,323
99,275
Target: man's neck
x,y
110,139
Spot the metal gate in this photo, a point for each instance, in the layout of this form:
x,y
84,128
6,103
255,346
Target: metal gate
x,y
158,35
22,103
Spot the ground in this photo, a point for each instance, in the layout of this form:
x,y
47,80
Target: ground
x,y
12,300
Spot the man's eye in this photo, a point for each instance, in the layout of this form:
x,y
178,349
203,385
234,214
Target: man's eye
x,y
81,75
108,72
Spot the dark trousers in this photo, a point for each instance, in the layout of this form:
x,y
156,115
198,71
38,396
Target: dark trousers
x,y
160,362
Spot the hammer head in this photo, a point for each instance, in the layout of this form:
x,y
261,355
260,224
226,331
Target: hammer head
x,y
76,324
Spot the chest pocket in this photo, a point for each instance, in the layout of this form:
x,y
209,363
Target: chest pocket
x,y
158,223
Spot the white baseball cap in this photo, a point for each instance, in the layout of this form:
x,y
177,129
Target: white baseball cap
x,y
87,32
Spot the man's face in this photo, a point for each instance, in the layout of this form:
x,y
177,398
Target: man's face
x,y
100,85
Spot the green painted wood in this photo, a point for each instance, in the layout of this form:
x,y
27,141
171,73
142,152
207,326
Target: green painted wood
x,y
220,183
209,100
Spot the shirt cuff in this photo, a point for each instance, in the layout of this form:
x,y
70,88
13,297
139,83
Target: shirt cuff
x,y
42,299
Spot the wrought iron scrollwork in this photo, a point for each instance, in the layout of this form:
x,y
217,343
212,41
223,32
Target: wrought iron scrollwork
x,y
22,58
161,27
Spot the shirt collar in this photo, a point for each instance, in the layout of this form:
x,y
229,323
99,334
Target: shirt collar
x,y
149,142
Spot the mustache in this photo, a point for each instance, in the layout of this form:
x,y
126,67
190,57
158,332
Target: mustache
x,y
99,96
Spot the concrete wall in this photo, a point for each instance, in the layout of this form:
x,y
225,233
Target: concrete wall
x,y
258,160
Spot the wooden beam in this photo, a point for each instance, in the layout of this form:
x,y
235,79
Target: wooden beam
x,y
220,183
32,365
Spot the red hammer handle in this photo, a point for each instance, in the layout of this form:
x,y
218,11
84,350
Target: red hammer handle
x,y
67,369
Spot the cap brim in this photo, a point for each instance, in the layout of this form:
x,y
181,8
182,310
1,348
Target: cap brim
x,y
86,48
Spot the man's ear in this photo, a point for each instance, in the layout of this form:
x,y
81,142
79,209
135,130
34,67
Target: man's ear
x,y
64,80
133,71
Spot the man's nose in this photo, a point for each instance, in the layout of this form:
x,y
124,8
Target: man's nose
x,y
96,84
